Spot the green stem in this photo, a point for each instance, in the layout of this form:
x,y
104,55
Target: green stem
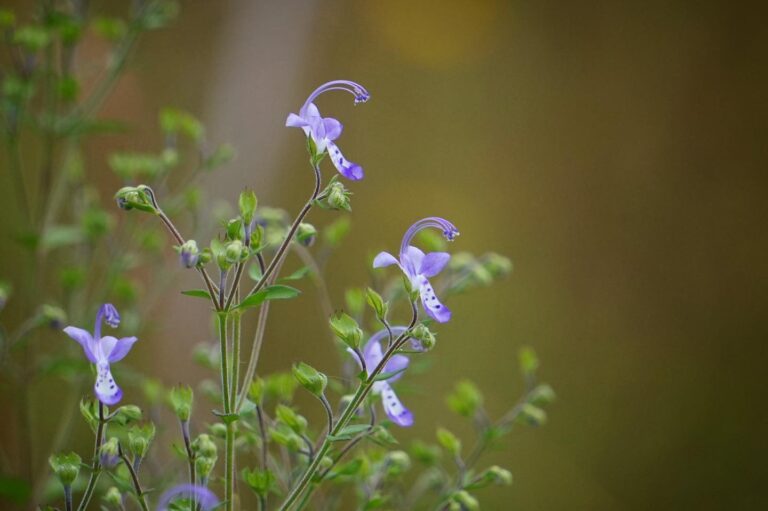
x,y
135,479
229,471
361,393
96,467
224,364
236,330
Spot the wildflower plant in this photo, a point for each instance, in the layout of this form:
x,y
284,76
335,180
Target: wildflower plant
x,y
258,450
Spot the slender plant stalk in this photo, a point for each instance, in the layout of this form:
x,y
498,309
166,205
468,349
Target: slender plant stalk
x,y
361,393
229,471
190,459
235,373
140,496
224,364
96,465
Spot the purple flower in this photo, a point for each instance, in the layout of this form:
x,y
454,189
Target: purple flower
x,y
204,497
324,130
103,351
372,354
418,267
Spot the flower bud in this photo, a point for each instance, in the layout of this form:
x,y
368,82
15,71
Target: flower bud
x,y
128,413
397,462
466,399
139,438
53,316
113,498
135,197
235,252
338,196
377,303
189,254
110,448
466,501
290,418
532,415
256,390
181,401
422,338
306,234
449,441
204,466
498,475
497,265
235,229
260,481
66,467
204,446
310,378
346,329
247,204
542,395
5,292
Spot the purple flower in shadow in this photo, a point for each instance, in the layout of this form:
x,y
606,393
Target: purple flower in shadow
x,y
204,497
325,130
419,267
373,354
103,351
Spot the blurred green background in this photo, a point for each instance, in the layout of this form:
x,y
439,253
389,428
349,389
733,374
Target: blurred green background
x,y
614,151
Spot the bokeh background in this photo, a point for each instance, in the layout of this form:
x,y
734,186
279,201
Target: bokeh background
x,y
615,151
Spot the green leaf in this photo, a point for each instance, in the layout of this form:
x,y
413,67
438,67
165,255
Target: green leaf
x,y
298,274
349,431
254,271
197,293
276,292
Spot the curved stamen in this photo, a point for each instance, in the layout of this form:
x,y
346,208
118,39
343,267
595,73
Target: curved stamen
x,y
358,91
109,314
447,228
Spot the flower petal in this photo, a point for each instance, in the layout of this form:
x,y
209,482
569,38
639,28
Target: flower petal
x,y
120,348
105,388
204,497
395,364
398,413
432,305
333,128
84,338
345,167
383,259
295,121
411,260
433,263
373,355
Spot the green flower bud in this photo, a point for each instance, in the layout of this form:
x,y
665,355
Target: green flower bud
x,y
449,441
466,399
529,362
110,447
53,316
256,390
135,197
235,252
218,430
204,446
290,418
338,196
260,481
497,265
542,395
346,329
113,497
306,234
139,438
425,453
128,413
66,467
466,501
285,436
310,378
5,293
424,337
204,466
532,415
248,203
498,475
377,303
397,462
181,398
235,229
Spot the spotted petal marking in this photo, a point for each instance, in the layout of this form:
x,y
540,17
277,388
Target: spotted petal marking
x,y
398,413
105,388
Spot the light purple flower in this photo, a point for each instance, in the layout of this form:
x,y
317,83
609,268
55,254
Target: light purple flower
x,y
373,354
204,497
103,351
325,130
419,267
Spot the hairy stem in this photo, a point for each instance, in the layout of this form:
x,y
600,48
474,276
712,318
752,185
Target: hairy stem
x,y
134,479
229,471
